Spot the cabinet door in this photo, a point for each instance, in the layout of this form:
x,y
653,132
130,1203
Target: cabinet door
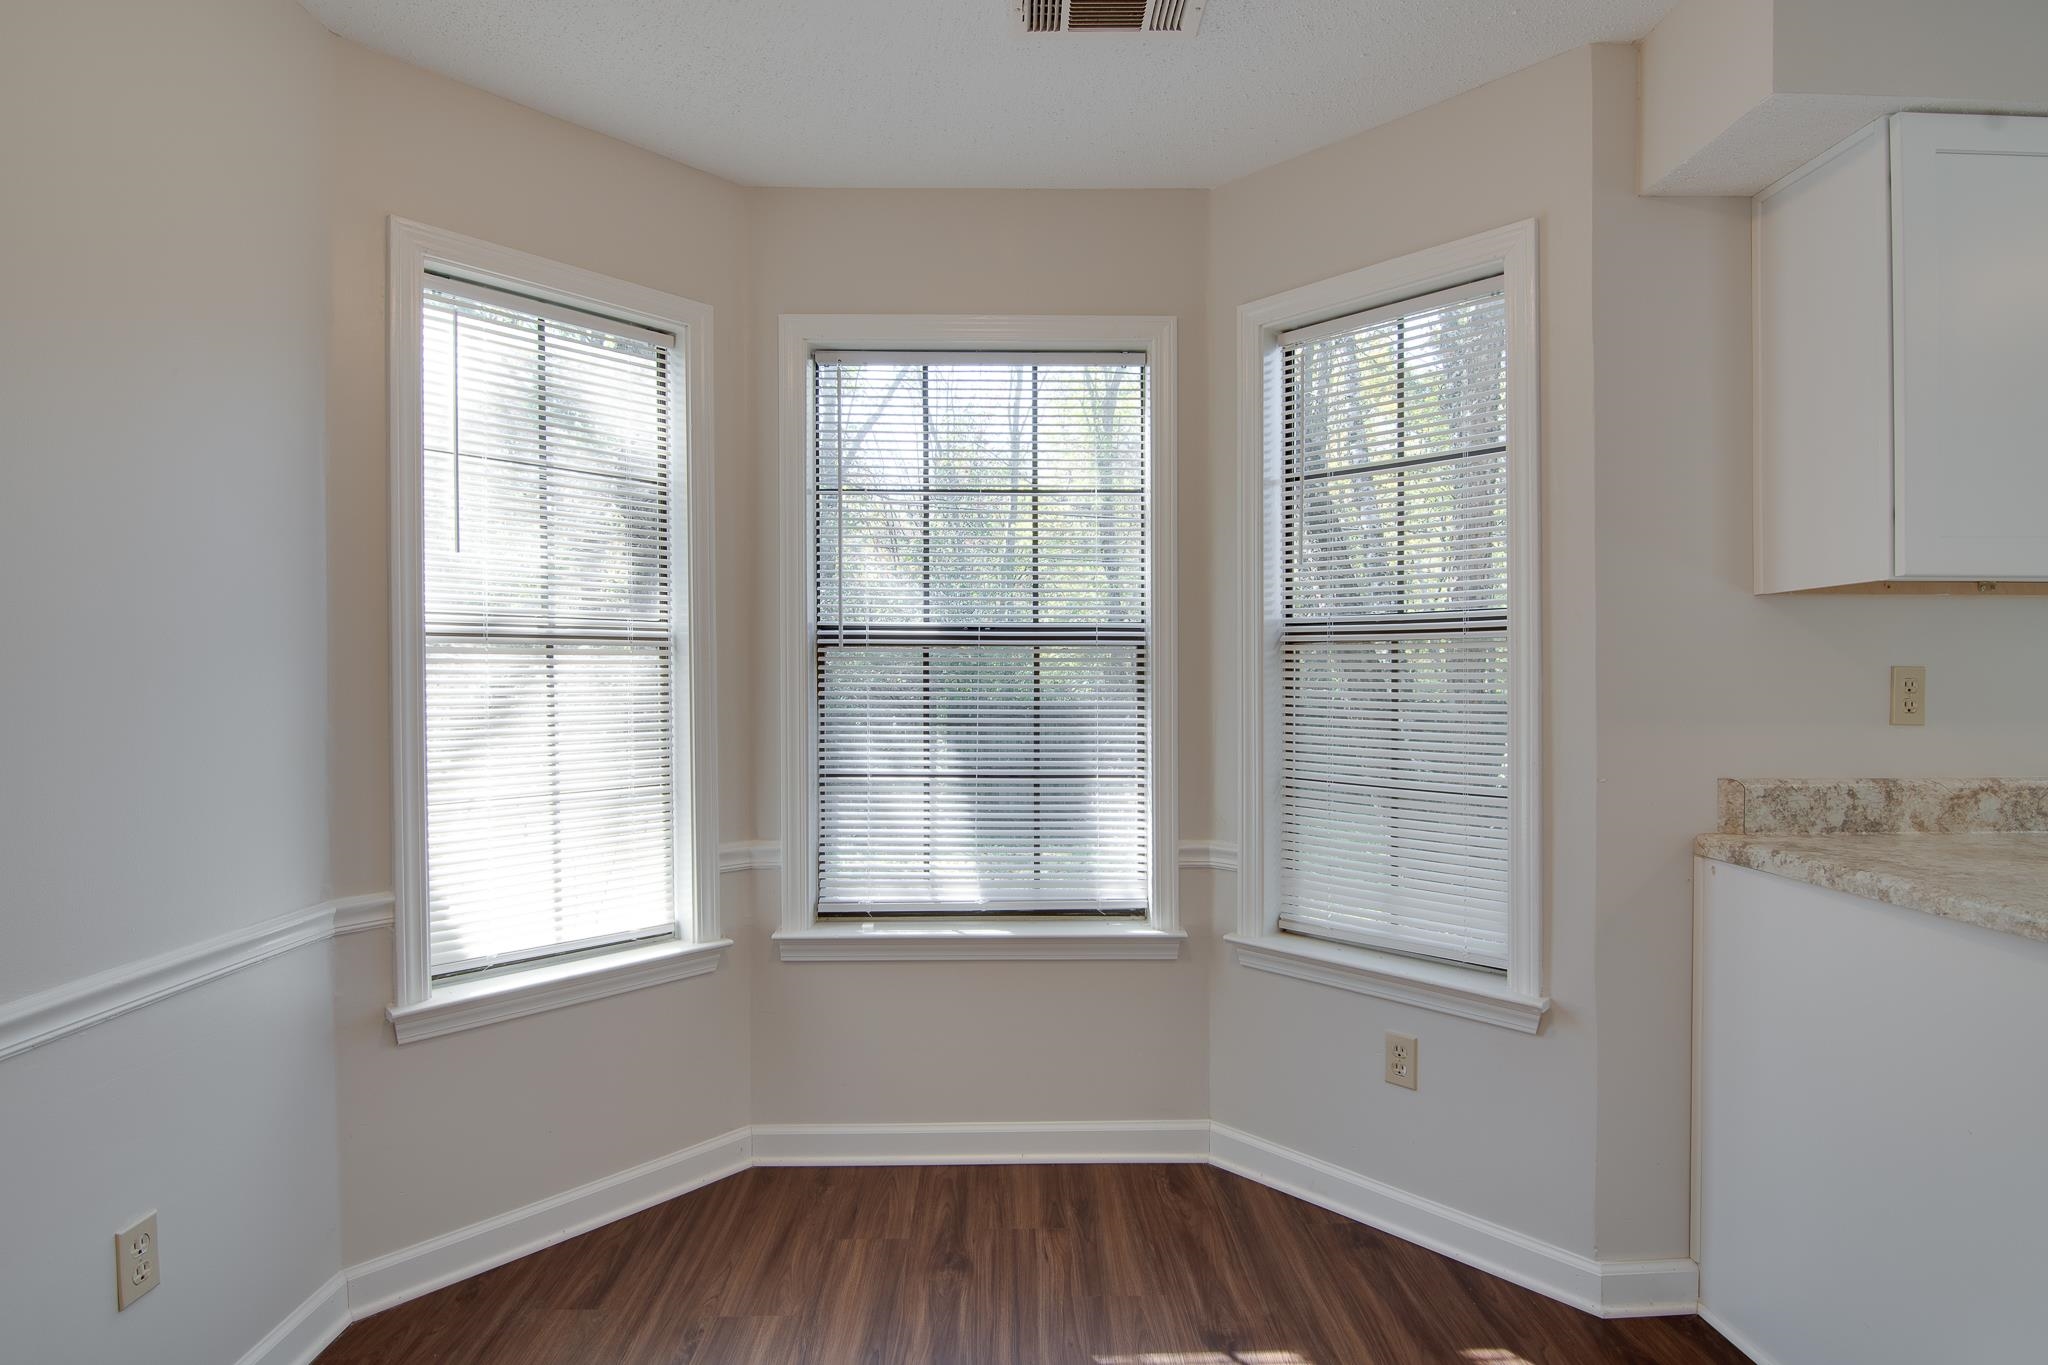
x,y
1823,301
1970,343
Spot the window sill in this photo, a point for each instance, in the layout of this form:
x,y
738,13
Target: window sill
x,y
1437,986
955,940
473,1004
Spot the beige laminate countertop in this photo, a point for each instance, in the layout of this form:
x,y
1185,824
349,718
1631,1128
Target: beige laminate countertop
x,y
1996,880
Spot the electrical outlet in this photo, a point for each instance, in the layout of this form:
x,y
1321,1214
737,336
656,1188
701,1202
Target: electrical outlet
x,y
1909,694
1402,1060
137,1262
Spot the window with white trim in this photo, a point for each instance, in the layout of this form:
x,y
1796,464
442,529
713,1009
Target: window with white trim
x,y
1393,809
982,652
1391,816
550,629
978,689
547,713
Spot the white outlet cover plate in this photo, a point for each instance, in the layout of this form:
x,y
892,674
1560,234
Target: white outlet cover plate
x,y
1403,1058
137,1267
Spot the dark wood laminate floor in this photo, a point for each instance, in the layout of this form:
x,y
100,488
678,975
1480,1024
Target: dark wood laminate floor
x,y
1000,1265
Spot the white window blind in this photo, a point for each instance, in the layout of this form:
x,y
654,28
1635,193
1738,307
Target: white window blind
x,y
550,629
1394,781
980,597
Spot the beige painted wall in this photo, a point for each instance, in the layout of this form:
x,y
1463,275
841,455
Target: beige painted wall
x,y
1737,93
1503,1125
192,729
1698,678
420,146
931,1041
1982,51
1705,66
162,352
450,1130
1672,422
985,251
1663,670
163,715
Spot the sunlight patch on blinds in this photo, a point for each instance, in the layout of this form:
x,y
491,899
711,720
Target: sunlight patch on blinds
x,y
980,600
550,625
1394,644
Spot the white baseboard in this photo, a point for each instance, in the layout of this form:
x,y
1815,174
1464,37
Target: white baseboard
x,y
408,1273
975,1144
308,1331
1735,1336
1649,1289
1606,1288
1609,1289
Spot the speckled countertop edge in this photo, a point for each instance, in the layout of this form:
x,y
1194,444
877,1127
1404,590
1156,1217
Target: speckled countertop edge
x,y
1996,880
1883,805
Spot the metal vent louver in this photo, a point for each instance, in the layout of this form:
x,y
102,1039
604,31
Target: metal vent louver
x,y
1111,16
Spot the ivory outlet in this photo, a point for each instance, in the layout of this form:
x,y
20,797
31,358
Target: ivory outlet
x,y
1401,1060
137,1262
1909,694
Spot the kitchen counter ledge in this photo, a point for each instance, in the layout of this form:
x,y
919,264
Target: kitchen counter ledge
x,y
1996,880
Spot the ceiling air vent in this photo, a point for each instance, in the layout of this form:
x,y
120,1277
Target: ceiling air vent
x,y
1112,16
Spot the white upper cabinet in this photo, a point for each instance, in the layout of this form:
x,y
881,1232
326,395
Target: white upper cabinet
x,y
1902,358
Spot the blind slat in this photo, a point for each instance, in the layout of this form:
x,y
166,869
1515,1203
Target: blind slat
x,y
980,592
550,621
1396,629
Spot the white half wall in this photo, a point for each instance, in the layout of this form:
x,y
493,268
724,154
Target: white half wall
x,y
1872,1099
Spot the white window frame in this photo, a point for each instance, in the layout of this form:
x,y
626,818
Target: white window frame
x,y
803,937
1516,1000
424,1009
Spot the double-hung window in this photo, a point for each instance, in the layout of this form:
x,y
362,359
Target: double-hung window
x,y
1396,677
548,743
1393,805
981,667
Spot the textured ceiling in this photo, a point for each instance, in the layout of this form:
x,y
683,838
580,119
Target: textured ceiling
x,y
898,93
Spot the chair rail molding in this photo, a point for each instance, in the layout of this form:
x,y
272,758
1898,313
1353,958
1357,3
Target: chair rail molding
x,y
1213,855
765,855
750,855
33,1020
30,1021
